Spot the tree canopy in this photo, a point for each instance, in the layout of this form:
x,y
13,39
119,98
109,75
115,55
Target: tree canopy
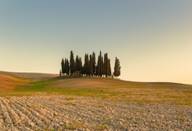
x,y
101,68
117,68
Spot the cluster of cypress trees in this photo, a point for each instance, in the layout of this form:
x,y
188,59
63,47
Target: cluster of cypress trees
x,y
90,67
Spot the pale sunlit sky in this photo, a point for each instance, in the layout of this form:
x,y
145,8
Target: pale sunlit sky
x,y
152,38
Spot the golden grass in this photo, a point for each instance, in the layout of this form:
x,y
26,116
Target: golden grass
x,y
127,91
8,82
111,89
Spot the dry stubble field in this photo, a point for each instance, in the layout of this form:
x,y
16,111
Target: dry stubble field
x,y
82,113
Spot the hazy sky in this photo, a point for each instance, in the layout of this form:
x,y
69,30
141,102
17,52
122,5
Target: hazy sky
x,y
152,38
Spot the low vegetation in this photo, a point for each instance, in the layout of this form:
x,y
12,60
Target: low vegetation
x,y
106,88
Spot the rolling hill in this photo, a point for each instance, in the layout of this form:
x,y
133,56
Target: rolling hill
x,y
113,89
11,80
48,102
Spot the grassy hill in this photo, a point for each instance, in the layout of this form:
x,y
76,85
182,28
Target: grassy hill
x,y
9,82
112,89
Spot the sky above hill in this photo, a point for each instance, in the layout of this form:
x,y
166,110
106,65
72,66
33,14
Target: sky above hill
x,y
152,38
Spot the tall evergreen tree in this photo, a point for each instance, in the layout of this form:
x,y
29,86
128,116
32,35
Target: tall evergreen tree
x,y
67,68
62,66
97,69
94,63
91,72
109,67
86,65
117,68
78,64
100,65
72,63
105,65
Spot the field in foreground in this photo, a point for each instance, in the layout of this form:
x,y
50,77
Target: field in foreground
x,y
42,101
83,113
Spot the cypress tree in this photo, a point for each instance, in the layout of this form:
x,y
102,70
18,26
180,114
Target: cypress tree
x,y
62,66
105,65
67,68
91,65
78,64
109,67
97,69
72,63
100,65
86,65
101,69
94,63
117,68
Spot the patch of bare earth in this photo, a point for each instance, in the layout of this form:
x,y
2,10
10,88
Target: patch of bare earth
x,y
29,113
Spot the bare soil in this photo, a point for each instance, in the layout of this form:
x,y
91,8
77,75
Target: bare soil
x,y
29,113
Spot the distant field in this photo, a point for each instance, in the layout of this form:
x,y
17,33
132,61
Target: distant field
x,y
134,92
